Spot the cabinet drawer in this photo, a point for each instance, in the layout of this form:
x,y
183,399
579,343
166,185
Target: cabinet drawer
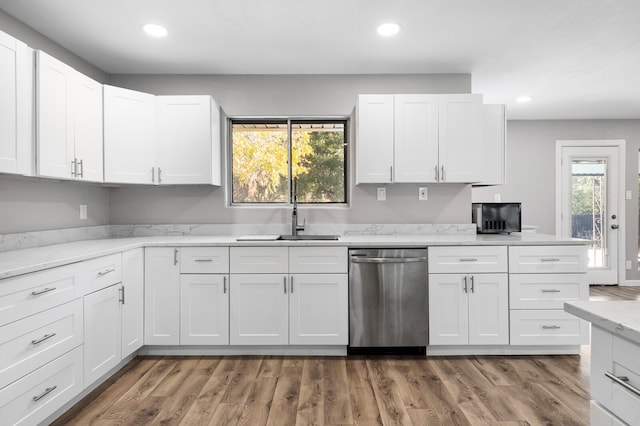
x,y
546,291
99,273
550,327
204,260
259,260
626,363
27,344
33,398
547,259
31,293
318,260
467,259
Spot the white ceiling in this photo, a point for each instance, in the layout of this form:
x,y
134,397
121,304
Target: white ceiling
x,y
576,58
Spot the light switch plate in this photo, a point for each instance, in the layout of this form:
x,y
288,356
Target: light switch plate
x,y
497,197
628,195
423,194
382,193
83,211
628,265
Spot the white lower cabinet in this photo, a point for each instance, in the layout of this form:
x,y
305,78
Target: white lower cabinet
x,y
132,301
161,296
204,309
102,332
34,397
468,309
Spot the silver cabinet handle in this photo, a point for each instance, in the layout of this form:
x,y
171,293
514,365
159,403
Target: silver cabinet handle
x,y
622,381
466,289
74,168
473,290
437,176
159,175
121,290
467,259
153,174
175,256
224,284
43,291
390,173
550,290
46,392
284,284
105,272
549,259
81,173
442,179
43,338
291,285
550,327
203,260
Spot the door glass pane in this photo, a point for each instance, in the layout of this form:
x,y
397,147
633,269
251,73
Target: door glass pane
x,y
588,207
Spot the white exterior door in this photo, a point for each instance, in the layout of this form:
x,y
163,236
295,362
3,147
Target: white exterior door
x,y
488,309
416,138
87,128
589,204
460,140
132,300
374,139
102,334
204,309
448,310
54,114
318,309
161,296
129,136
259,311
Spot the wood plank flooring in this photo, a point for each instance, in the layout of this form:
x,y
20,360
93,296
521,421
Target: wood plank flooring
x,y
354,390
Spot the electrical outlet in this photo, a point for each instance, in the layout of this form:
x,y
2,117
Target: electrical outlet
x,y
628,265
422,193
382,194
497,197
83,211
628,195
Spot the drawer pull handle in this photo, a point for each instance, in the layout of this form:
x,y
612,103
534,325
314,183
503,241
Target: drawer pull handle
x,y
622,381
43,291
550,327
549,259
468,259
46,392
204,260
43,338
105,272
550,290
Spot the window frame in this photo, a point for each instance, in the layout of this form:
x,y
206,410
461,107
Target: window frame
x,y
288,120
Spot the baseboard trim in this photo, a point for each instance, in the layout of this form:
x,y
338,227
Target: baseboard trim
x,y
502,350
244,350
630,283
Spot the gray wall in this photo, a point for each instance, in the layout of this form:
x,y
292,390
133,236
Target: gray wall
x,y
531,171
301,95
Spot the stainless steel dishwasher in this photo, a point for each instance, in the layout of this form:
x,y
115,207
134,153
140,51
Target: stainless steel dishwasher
x,y
388,298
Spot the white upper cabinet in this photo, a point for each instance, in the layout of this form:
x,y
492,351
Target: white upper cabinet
x,y
494,131
129,136
69,122
433,138
16,106
374,144
188,141
416,138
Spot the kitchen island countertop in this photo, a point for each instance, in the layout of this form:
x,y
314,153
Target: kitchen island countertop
x,y
618,317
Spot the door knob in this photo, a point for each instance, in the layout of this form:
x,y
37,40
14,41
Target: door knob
x,y
615,226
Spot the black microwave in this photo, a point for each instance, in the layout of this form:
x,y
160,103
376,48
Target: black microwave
x,y
496,218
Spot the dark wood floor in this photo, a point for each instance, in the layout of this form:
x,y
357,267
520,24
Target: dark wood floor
x,y
363,390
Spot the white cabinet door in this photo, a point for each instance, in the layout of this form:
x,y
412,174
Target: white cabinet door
x,y
129,136
459,135
16,103
188,140
494,130
132,300
374,139
259,311
102,333
87,128
488,309
416,138
161,296
318,309
54,114
204,309
448,310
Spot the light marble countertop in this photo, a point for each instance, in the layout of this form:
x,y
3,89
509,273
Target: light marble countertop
x,y
619,317
17,262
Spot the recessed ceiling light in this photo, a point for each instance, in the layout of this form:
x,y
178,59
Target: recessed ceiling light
x,y
388,29
155,30
524,98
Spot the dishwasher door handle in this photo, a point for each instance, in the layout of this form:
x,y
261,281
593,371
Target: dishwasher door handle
x,y
388,259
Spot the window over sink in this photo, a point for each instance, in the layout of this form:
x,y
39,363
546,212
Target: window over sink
x,y
265,155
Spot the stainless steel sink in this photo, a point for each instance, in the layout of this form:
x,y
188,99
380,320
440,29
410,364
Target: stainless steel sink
x,y
309,237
